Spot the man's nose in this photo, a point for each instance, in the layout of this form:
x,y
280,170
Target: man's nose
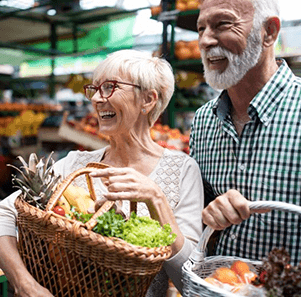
x,y
207,39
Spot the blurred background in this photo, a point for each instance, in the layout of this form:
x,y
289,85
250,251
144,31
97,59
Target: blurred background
x,y
49,48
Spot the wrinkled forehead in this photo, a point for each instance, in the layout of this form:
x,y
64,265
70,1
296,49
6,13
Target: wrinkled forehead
x,y
239,7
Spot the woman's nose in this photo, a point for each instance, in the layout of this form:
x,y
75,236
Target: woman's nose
x,y
98,98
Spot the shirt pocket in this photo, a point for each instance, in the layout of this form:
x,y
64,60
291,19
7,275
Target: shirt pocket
x,y
281,185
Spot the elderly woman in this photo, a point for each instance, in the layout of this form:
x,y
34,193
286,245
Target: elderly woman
x,y
129,92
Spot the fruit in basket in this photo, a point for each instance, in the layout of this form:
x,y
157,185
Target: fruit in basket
x,y
37,181
226,275
79,198
64,204
59,210
240,267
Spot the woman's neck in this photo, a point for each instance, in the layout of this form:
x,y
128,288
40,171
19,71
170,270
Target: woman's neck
x,y
138,153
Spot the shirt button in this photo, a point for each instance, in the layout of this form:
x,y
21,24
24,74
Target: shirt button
x,y
242,167
265,118
232,236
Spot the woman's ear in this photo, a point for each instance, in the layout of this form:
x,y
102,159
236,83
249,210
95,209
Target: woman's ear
x,y
271,31
149,101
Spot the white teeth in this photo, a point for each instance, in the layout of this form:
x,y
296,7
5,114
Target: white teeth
x,y
106,113
215,58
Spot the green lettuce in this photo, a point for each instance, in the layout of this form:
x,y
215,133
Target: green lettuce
x,y
140,231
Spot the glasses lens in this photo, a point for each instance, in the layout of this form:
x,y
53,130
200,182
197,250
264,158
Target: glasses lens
x,y
90,91
107,89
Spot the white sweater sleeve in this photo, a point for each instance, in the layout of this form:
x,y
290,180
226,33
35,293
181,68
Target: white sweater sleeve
x,y
188,213
8,215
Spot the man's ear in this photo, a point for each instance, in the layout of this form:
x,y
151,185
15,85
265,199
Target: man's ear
x,y
271,31
150,100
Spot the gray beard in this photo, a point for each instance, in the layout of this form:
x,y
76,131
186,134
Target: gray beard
x,y
238,65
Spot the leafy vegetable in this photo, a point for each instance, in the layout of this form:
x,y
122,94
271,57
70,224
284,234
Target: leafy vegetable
x,y
144,231
110,224
79,216
141,231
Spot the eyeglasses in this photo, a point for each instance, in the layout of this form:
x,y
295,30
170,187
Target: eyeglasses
x,y
106,89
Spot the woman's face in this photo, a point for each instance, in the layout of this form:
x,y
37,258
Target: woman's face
x,y
120,112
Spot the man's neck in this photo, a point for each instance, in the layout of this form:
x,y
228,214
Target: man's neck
x,y
242,94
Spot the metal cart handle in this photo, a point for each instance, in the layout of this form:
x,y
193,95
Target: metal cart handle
x,y
198,254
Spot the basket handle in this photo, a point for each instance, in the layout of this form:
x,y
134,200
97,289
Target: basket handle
x,y
198,254
63,186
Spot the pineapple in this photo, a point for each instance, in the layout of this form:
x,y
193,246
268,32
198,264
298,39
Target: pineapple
x,y
37,181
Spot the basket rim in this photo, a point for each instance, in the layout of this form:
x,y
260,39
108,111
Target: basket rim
x,y
191,276
61,222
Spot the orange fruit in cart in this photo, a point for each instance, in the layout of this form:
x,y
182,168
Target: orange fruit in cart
x,y
226,275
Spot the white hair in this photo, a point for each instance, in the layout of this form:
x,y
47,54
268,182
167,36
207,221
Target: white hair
x,y
150,73
263,10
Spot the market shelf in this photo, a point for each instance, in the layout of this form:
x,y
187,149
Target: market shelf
x,y
82,138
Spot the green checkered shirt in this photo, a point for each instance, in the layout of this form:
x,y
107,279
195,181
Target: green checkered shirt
x,y
264,163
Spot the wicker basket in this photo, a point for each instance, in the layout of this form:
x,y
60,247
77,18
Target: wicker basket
x,y
198,267
69,259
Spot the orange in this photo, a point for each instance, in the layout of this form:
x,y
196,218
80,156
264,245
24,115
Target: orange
x,y
183,53
181,6
192,5
226,275
240,267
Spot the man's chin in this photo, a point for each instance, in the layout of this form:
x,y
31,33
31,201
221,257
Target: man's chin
x,y
218,81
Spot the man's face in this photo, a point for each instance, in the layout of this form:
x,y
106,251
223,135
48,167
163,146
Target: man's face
x,y
230,45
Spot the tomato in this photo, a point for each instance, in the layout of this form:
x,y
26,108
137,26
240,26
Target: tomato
x,y
59,210
263,277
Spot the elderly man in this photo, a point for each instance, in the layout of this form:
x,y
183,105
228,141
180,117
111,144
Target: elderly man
x,y
247,141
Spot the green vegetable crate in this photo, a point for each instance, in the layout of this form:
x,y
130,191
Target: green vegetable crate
x,y
70,259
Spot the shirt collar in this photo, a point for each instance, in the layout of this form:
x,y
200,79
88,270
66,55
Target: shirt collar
x,y
267,99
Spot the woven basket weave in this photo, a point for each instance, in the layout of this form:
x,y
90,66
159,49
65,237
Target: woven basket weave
x,y
69,259
198,267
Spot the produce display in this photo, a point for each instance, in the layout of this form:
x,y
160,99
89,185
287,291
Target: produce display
x,y
276,277
26,123
181,5
38,182
164,135
185,50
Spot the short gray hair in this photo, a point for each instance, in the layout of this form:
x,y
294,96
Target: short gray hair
x,y
263,10
151,73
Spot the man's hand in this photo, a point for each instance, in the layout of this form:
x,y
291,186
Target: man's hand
x,y
228,209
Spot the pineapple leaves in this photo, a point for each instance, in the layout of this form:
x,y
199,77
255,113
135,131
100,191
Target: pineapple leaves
x,y
37,180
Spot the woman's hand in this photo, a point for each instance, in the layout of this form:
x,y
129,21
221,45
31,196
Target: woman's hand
x,y
129,184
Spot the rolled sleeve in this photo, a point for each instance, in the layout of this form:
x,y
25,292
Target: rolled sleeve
x,y
8,215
